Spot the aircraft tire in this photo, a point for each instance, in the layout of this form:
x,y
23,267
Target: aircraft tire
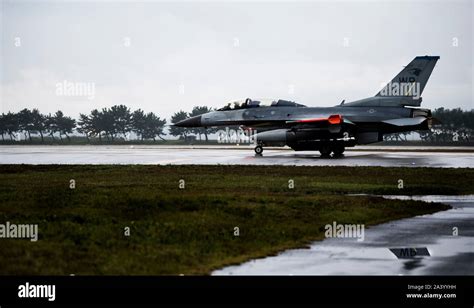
x,y
338,150
325,151
258,150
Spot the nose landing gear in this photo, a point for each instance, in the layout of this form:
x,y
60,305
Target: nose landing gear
x,y
258,150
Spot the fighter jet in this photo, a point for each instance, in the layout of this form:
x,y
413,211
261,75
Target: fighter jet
x,y
329,130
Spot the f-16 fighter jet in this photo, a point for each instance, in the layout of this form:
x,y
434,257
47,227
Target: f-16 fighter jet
x,y
329,130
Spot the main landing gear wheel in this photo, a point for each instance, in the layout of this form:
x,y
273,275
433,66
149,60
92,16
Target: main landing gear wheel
x,y
335,149
258,150
338,150
325,151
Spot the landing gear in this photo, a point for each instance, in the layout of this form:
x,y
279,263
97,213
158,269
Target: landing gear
x,y
325,150
338,150
258,150
335,148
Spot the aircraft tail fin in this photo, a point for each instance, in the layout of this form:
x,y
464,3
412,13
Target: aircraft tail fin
x,y
411,81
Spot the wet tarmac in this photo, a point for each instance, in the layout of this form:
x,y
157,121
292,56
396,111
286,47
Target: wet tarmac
x,y
234,155
449,254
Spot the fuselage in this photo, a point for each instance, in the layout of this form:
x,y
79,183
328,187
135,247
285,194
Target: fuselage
x,y
267,118
301,127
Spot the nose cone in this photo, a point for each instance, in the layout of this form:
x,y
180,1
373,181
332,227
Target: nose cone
x,y
190,122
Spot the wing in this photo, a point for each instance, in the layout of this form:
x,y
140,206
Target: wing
x,y
406,121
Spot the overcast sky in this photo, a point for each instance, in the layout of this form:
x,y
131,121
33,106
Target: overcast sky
x,y
163,57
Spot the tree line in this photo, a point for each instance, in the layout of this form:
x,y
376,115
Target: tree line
x,y
33,122
455,125
105,124
119,121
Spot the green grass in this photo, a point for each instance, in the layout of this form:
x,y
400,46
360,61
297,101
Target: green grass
x,y
191,231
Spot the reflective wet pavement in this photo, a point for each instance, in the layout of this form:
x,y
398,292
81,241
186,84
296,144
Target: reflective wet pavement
x,y
244,155
449,254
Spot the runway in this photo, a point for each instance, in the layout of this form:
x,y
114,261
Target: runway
x,y
235,155
449,254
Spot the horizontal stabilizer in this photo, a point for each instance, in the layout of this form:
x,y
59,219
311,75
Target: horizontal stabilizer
x,y
406,121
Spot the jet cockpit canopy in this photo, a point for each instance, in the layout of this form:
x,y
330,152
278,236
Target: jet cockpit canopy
x,y
254,103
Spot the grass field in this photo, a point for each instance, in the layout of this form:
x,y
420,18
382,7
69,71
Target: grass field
x,y
191,230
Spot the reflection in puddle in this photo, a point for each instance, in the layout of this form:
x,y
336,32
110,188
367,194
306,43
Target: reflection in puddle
x,y
450,255
412,264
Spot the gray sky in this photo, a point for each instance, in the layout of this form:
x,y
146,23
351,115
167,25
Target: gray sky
x,y
163,57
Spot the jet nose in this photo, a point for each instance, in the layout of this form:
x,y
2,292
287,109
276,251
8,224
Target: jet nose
x,y
190,122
